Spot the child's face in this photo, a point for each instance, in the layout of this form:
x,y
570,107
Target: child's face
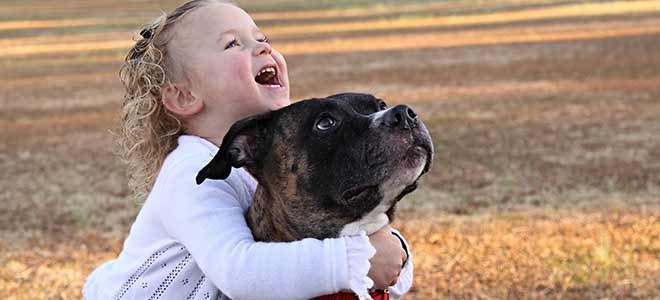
x,y
225,51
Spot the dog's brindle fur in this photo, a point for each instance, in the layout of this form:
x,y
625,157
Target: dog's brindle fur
x,y
325,183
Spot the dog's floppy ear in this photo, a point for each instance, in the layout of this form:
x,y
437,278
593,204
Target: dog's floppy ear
x,y
240,147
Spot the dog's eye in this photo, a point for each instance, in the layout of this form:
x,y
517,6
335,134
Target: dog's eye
x,y
326,123
382,105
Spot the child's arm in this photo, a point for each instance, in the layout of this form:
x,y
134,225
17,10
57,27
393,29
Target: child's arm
x,y
209,220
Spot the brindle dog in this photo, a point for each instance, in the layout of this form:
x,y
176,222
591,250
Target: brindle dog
x,y
326,167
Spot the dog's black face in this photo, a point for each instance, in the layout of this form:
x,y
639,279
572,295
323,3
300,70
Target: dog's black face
x,y
331,166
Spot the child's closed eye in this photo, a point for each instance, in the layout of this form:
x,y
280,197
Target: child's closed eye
x,y
264,40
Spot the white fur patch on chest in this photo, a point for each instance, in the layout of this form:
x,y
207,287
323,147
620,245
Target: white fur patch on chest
x,y
370,223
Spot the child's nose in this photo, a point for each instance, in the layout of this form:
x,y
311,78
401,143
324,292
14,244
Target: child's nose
x,y
262,48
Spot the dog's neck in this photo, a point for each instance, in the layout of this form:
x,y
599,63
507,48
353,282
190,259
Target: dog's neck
x,y
266,221
270,221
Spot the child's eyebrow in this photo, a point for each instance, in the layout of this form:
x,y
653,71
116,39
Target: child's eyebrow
x,y
227,32
257,30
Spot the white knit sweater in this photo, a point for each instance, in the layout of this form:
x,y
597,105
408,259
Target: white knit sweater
x,y
192,242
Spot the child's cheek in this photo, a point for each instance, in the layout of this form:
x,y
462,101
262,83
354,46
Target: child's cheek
x,y
242,73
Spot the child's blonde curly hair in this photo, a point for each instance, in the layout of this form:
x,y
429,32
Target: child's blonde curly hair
x,y
148,131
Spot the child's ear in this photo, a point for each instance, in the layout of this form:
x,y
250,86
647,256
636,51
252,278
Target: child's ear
x,y
180,100
243,146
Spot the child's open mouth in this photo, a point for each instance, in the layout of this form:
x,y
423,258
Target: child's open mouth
x,y
268,77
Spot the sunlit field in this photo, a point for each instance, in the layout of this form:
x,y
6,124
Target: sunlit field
x,y
545,117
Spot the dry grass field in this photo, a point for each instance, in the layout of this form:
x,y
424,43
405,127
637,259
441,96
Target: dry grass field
x,y
545,115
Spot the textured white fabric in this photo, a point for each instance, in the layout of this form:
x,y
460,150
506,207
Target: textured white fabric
x,y
191,241
360,253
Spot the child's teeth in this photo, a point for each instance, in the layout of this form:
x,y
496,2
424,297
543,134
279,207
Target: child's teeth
x,y
269,69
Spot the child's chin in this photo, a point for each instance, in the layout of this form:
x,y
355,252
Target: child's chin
x,y
277,97
280,103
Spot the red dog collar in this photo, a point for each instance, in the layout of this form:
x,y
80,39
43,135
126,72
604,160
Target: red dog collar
x,y
380,295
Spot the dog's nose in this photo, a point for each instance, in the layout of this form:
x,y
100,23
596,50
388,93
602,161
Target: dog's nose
x,y
401,116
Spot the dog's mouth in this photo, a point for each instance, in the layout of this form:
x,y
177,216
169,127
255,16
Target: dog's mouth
x,y
407,190
423,145
268,76
427,150
356,191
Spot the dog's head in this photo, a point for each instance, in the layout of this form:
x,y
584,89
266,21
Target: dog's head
x,y
342,156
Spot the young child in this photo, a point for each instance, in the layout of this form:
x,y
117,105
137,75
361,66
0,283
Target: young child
x,y
188,79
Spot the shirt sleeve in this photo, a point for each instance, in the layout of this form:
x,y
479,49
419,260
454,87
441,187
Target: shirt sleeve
x,y
209,220
405,281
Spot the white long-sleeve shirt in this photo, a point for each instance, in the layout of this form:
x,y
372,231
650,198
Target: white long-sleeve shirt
x,y
191,241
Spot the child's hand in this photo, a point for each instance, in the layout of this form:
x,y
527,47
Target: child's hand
x,y
387,262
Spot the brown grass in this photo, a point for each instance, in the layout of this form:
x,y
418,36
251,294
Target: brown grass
x,y
14,25
562,11
537,256
97,42
381,10
434,40
559,255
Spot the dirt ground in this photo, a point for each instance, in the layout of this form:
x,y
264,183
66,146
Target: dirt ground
x,y
545,116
